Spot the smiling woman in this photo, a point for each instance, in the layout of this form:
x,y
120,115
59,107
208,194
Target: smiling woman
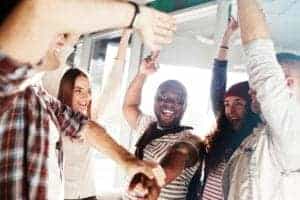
x,y
74,91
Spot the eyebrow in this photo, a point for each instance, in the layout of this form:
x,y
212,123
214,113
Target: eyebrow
x,y
236,100
78,87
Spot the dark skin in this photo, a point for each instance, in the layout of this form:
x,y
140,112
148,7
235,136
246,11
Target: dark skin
x,y
169,100
182,155
170,104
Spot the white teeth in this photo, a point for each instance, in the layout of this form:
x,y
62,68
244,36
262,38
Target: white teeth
x,y
168,111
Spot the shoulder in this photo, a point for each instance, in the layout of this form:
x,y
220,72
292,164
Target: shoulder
x,y
143,122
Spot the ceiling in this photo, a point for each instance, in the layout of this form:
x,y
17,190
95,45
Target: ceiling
x,y
283,17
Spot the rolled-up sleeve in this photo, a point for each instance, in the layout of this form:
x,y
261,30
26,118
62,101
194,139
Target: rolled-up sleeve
x,y
68,121
279,106
15,78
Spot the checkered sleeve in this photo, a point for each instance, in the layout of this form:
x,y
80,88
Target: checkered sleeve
x,y
68,121
15,78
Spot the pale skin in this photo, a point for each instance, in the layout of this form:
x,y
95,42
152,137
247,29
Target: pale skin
x,y
115,76
232,27
81,95
93,133
234,106
35,29
253,26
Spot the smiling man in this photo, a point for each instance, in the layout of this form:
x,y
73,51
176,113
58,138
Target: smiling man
x,y
160,133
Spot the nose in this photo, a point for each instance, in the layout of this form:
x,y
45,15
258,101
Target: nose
x,y
85,96
232,110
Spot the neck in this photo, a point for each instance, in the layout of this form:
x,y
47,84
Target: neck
x,y
167,127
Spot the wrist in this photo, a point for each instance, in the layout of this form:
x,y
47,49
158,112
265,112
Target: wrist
x,y
135,14
159,175
142,75
225,47
130,162
140,18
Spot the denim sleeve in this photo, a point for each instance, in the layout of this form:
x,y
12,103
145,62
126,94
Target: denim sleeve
x,y
218,84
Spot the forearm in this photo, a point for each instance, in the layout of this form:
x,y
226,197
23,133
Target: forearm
x,y
223,48
133,100
36,28
97,137
252,21
218,85
182,155
134,92
113,83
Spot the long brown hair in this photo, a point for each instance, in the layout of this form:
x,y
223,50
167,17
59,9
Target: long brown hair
x,y
224,139
66,86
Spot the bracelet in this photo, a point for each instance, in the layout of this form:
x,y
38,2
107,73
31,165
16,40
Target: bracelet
x,y
136,12
117,58
224,47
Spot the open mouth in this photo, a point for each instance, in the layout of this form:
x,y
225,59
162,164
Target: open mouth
x,y
167,113
83,106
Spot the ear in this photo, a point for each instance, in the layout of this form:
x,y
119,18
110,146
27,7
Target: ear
x,y
289,82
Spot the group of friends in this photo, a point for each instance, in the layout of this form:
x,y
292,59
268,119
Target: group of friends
x,y
251,154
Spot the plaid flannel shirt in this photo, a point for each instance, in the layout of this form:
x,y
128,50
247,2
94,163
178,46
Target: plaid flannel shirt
x,y
25,112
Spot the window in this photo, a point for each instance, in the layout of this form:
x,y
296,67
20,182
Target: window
x,y
197,81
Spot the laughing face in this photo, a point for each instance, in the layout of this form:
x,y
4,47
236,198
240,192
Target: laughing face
x,y
235,110
81,95
169,107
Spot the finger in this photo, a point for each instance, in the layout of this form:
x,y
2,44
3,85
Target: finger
x,y
140,190
153,46
134,181
166,19
154,55
163,31
161,40
162,25
147,171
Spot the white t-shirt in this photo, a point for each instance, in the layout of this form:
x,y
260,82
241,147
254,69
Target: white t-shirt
x,y
55,176
78,169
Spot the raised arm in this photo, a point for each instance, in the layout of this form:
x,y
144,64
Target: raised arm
x,y
113,84
32,24
16,76
96,136
219,75
132,100
279,107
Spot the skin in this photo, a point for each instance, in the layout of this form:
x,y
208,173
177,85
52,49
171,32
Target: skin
x,y
25,36
94,134
133,97
235,110
169,108
81,95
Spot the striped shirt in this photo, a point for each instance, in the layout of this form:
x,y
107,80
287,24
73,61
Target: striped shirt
x,y
155,151
213,185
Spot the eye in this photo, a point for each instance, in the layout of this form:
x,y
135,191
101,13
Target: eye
x,y
77,91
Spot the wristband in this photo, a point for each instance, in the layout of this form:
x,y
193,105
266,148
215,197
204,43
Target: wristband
x,y
136,12
224,47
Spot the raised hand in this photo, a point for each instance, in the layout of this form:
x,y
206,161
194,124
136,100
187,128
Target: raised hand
x,y
149,64
156,28
232,26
